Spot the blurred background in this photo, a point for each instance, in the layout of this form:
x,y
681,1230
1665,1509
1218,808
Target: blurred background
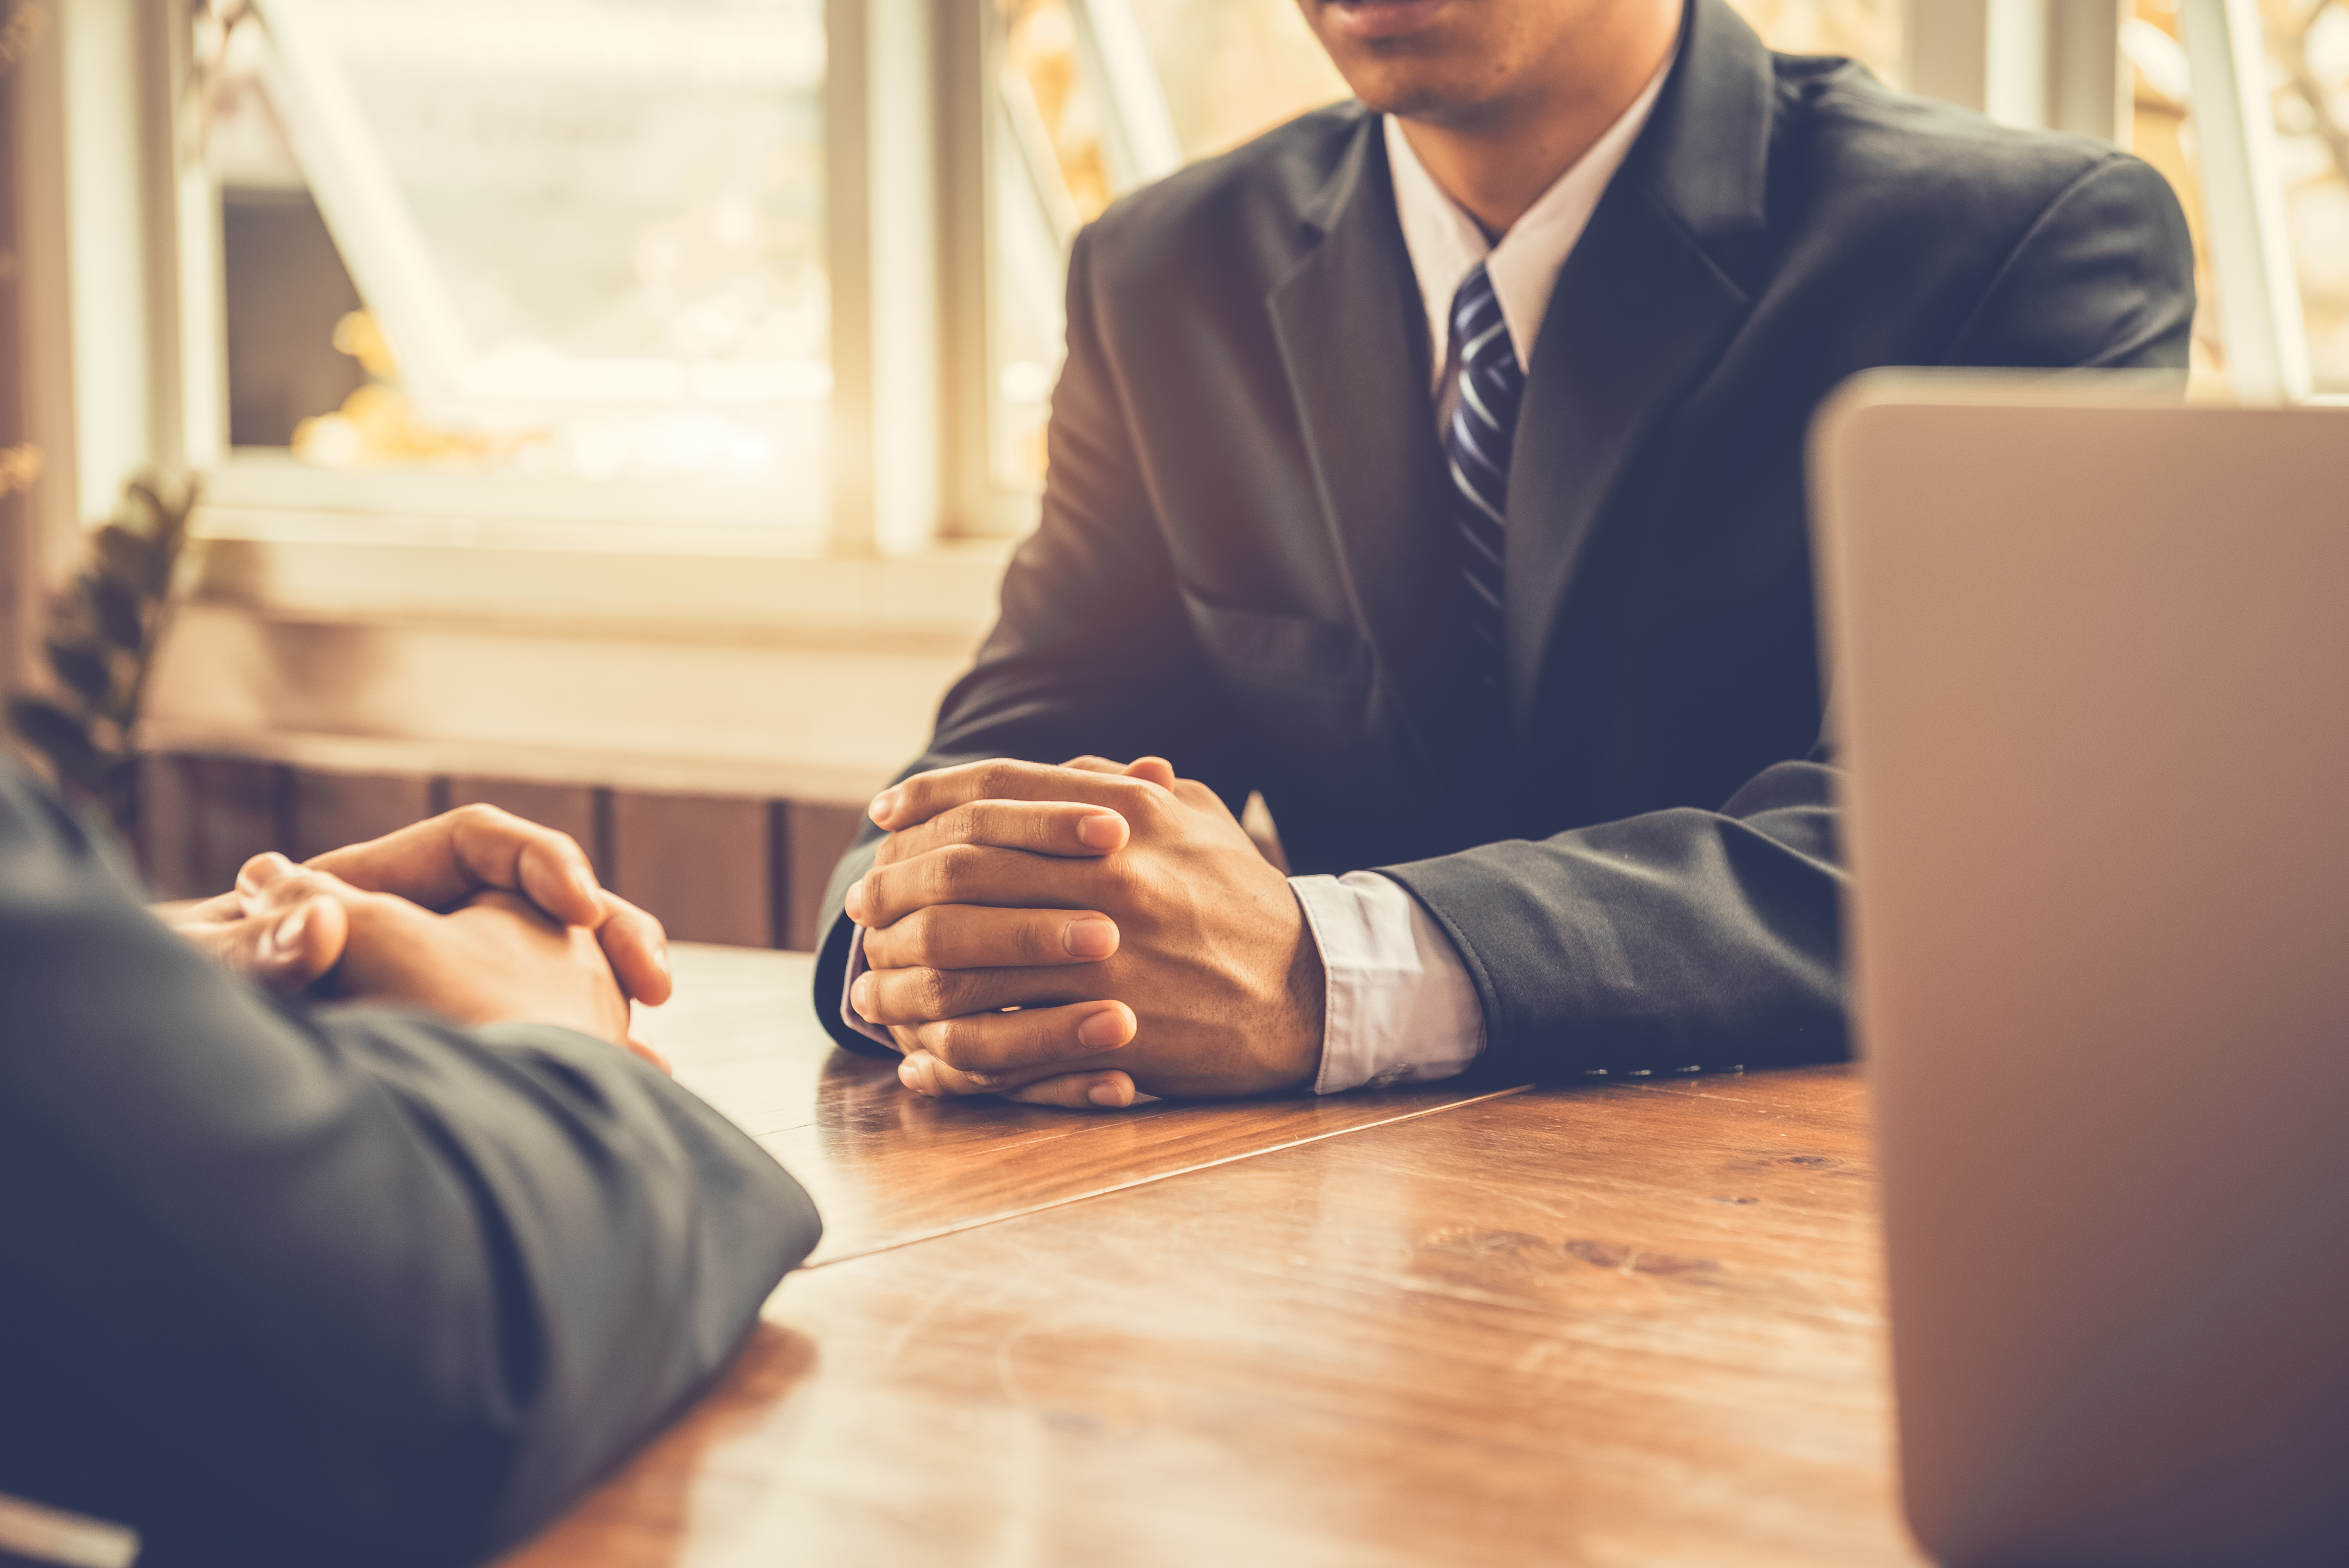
x,y
621,410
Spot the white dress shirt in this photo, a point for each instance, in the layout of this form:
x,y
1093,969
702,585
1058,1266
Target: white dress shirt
x,y
1400,1006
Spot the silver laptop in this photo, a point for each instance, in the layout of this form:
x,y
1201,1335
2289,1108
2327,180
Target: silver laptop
x,y
2091,679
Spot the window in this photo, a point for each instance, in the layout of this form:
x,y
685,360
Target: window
x,y
1092,98
542,263
2245,104
1868,31
2160,132
2307,61
534,241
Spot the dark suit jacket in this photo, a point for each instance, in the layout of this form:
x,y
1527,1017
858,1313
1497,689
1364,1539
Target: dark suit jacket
x,y
1245,563
283,1286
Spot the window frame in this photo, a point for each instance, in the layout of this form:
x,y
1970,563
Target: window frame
x,y
908,105
2265,332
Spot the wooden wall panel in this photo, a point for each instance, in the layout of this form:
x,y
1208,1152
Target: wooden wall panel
x,y
206,816
701,863
817,835
331,810
572,809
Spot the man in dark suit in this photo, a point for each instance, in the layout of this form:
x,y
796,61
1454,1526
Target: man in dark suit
x,y
1433,465
292,1284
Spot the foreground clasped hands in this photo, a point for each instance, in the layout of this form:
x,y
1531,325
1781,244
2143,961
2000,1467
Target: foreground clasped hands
x,y
476,914
1069,936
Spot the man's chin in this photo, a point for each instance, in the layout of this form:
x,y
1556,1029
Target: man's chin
x,y
1419,95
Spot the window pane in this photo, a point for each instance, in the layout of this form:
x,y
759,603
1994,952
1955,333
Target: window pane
x,y
2308,60
1868,31
2161,131
1233,69
589,233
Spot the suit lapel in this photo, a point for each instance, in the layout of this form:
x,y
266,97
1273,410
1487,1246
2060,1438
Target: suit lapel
x,y
1353,340
1643,305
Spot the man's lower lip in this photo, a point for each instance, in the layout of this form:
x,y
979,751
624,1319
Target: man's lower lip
x,y
1382,18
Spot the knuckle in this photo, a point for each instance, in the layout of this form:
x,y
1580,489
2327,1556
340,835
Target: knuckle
x,y
933,992
949,870
1038,940
1121,877
1138,797
914,939
949,1039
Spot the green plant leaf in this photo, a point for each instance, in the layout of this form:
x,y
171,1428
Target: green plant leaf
x,y
58,734
133,560
176,521
84,669
115,606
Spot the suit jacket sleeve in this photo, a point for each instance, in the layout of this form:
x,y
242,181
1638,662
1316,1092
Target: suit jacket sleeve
x,y
283,1284
1695,938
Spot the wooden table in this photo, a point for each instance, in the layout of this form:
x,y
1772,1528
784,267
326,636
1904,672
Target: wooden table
x,y
1636,1322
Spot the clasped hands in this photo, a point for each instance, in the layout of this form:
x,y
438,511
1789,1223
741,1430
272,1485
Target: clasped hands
x,y
1069,936
476,914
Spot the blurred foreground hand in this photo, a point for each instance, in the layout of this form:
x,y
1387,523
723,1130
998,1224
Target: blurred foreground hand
x,y
353,917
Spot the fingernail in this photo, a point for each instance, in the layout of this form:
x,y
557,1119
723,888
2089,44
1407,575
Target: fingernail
x,y
287,935
884,806
660,959
1090,938
853,902
1103,1031
860,994
1107,1094
1104,830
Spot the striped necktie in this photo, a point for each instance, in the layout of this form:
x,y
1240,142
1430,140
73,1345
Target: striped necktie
x,y
1487,388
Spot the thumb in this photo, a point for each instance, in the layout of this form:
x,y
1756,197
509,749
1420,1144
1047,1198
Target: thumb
x,y
285,949
300,945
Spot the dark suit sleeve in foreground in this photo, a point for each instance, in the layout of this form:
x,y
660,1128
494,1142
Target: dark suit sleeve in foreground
x,y
337,1286
1712,938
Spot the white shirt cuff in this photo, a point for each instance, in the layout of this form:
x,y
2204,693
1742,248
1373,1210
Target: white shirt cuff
x,y
1400,1008
848,1013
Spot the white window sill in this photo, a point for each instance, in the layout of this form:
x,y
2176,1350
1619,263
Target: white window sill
x,y
288,543
694,658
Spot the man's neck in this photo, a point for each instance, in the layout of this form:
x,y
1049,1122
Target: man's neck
x,y
1496,160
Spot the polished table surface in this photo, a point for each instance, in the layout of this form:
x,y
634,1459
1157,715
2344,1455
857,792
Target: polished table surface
x,y
1635,1320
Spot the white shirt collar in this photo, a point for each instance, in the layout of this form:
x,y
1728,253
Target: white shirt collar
x,y
1445,242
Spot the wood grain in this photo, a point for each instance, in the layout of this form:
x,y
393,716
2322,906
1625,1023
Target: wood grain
x,y
1616,1325
887,1167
